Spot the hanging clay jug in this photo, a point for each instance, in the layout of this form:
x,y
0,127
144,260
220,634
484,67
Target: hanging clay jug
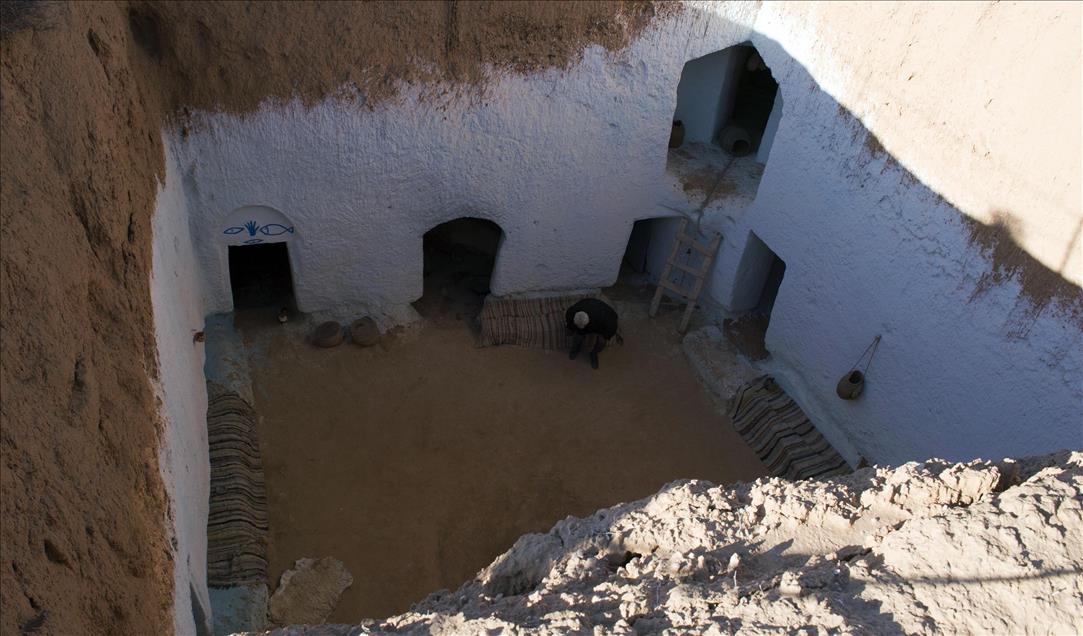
x,y
676,136
851,385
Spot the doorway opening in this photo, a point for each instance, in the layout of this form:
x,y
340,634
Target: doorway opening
x,y
259,276
759,278
459,257
727,99
649,246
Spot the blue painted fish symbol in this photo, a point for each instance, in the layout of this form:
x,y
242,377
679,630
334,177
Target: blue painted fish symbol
x,y
274,229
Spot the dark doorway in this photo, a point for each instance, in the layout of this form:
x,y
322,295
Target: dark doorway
x,y
770,287
459,257
649,246
259,276
753,100
749,331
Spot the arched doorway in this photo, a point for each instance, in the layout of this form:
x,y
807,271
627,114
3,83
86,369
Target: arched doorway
x,y
649,246
260,275
459,257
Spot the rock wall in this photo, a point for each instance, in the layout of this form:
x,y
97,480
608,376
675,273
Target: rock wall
x,y
83,513
929,547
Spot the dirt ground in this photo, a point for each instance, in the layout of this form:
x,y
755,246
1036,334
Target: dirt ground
x,y
417,461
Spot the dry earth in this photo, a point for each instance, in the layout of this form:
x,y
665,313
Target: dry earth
x,y
925,548
424,457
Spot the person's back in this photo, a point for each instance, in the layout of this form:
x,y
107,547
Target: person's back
x,y
591,316
601,318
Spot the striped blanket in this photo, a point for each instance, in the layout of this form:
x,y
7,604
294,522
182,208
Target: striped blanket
x,y
529,322
779,432
237,526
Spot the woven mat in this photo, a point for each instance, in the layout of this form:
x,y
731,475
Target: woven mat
x,y
528,322
237,526
779,432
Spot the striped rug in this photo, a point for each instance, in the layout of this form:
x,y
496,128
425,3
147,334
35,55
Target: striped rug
x,y
779,432
528,322
237,526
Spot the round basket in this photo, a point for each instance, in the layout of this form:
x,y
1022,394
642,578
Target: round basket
x,y
364,332
328,334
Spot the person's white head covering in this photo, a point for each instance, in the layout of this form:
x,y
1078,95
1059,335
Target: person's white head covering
x,y
581,319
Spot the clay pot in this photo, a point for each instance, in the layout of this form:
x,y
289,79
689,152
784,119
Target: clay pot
x,y
736,140
676,136
364,332
851,385
328,334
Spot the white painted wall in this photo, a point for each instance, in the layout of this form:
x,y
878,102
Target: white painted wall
x,y
565,161
870,249
561,165
979,100
763,153
184,461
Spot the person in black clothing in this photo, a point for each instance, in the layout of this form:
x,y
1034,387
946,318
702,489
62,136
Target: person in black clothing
x,y
591,316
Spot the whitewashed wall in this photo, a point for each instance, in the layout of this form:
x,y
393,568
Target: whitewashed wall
x,y
565,161
177,302
877,245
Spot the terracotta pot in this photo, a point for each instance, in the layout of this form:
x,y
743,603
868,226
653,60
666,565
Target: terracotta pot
x,y
676,136
736,140
851,385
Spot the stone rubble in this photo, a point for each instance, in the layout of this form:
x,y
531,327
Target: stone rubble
x,y
309,592
932,547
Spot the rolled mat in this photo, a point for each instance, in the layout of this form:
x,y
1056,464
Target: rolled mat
x,y
237,525
528,322
781,434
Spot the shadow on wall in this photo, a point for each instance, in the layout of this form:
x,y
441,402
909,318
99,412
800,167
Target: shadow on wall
x,y
1041,288
872,250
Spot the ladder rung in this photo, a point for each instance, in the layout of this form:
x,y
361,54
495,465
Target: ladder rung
x,y
680,291
685,268
694,244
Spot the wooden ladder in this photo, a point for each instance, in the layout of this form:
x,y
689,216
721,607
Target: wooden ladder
x,y
666,284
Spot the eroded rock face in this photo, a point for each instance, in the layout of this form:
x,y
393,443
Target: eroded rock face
x,y
929,547
309,592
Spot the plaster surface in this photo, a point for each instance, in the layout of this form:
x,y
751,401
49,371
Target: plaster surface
x,y
880,162
184,461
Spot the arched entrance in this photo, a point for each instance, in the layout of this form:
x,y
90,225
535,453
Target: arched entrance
x,y
649,245
459,257
260,276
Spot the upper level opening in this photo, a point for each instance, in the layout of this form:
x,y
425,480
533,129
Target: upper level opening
x,y
727,99
728,109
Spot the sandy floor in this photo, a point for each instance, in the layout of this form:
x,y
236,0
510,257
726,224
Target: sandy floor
x,y
417,461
